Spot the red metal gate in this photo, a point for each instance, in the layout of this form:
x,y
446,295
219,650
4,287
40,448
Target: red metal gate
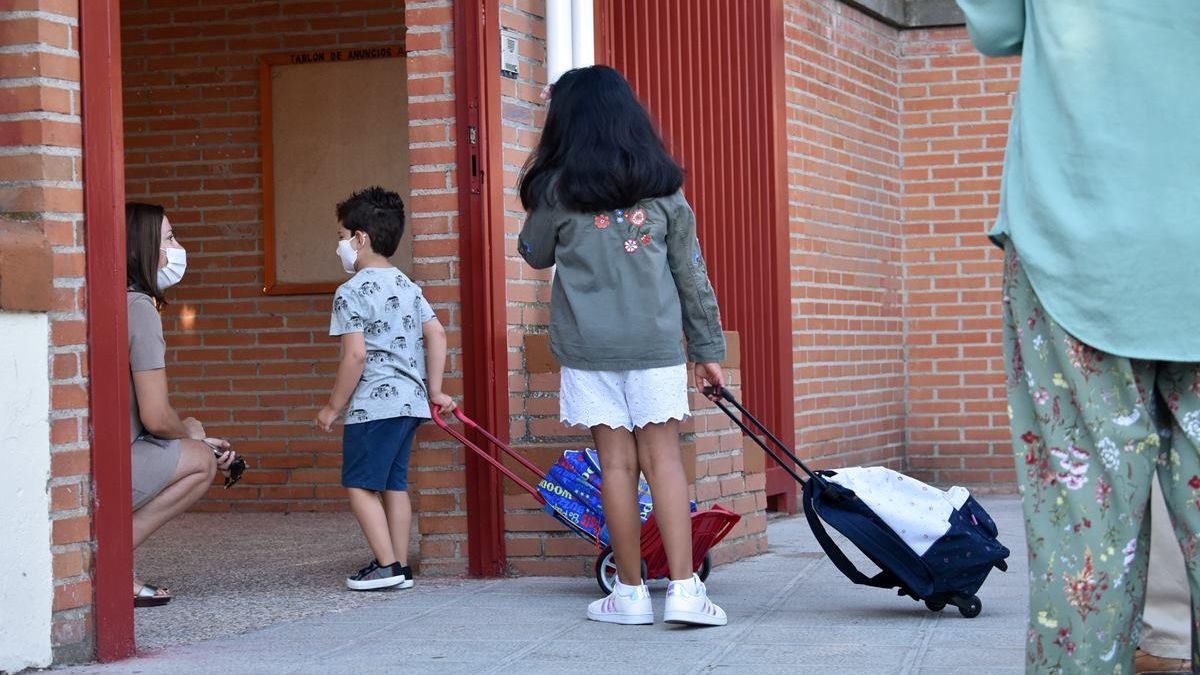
x,y
711,73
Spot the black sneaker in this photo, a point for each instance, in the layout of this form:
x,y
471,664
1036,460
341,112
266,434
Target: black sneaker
x,y
375,576
407,572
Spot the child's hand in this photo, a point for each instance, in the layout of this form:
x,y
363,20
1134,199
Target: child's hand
x,y
711,373
326,418
441,402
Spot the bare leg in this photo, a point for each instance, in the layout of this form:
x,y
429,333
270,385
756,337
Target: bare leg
x,y
399,519
193,475
368,509
619,472
659,457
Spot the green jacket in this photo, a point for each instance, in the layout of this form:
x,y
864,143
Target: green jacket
x,y
629,284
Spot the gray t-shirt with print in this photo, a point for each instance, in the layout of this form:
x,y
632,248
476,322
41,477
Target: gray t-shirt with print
x,y
385,306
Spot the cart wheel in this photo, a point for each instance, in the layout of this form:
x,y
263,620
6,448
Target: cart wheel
x,y
705,568
606,570
971,608
935,605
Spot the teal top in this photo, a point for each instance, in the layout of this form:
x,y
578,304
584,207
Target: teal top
x,y
1100,190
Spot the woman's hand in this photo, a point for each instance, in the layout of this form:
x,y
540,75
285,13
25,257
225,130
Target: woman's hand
x,y
326,418
710,373
194,429
440,402
225,458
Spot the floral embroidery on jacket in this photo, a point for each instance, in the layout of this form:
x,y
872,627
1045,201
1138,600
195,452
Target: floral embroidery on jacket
x,y
639,233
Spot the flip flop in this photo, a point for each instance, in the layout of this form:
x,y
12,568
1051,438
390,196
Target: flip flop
x,y
151,596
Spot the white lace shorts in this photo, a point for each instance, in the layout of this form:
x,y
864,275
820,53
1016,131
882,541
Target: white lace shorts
x,y
625,398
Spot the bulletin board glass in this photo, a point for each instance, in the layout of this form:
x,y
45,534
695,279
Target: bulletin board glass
x,y
333,122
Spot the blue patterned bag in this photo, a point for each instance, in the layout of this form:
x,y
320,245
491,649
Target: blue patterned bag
x,y
572,492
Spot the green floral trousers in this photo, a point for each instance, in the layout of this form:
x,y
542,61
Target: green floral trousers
x,y
1089,430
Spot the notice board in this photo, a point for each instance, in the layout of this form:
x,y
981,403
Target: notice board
x,y
332,122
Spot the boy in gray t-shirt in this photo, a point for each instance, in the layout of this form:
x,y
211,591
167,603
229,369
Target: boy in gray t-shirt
x,y
390,375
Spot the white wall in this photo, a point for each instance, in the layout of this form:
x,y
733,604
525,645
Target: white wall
x,y
27,581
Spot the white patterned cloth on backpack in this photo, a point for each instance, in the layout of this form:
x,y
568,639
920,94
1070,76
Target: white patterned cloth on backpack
x,y
389,309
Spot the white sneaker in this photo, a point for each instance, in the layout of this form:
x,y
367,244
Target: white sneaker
x,y
628,605
687,602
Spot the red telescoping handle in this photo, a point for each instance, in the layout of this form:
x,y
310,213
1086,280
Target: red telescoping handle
x,y
468,422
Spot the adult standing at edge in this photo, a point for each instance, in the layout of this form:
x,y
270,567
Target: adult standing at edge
x,y
1100,224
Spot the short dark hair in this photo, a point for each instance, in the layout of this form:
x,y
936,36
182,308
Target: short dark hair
x,y
379,213
143,239
600,144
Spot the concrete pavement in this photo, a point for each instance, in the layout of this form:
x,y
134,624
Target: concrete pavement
x,y
790,611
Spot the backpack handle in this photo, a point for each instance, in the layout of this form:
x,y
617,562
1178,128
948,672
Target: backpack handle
x,y
728,396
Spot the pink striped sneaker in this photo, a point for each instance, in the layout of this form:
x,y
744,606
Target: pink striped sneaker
x,y
628,605
687,602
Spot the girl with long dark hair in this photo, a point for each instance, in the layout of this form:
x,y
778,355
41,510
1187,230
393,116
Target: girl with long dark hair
x,y
604,205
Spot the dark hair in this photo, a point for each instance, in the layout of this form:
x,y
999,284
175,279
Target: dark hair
x,y
600,143
379,213
143,239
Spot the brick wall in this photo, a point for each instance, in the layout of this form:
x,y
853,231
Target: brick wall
x,y
956,107
533,400
843,135
439,491
41,191
896,142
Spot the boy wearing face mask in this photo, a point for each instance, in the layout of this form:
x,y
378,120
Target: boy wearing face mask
x,y
389,378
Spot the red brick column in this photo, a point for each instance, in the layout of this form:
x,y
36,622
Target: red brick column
x,y
438,489
41,197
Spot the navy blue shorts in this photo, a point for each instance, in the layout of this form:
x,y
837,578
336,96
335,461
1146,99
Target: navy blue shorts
x,y
375,454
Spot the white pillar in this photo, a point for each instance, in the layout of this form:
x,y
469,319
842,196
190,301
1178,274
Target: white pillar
x,y
583,34
27,581
558,39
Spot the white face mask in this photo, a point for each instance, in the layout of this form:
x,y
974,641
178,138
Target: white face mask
x,y
348,255
176,265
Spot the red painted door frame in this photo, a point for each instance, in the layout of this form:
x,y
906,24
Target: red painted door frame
x,y
481,250
715,84
108,348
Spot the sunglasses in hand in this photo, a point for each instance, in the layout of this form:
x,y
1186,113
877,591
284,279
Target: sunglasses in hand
x,y
236,468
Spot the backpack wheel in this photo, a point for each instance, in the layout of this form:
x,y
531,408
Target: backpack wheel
x,y
705,568
606,570
971,607
935,605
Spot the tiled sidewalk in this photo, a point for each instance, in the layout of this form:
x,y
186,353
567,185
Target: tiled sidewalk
x,y
790,611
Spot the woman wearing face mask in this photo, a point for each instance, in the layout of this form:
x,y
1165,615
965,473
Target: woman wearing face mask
x,y
173,460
